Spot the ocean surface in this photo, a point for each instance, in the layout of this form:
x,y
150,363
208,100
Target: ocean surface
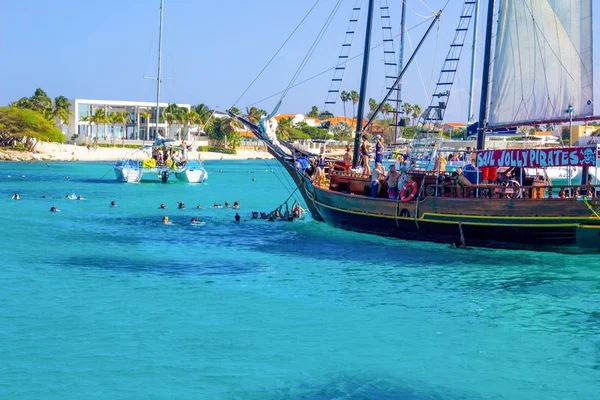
x,y
109,303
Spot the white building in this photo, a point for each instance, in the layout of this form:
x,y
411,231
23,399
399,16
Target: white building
x,y
136,129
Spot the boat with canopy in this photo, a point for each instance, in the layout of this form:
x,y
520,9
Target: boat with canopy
x,y
542,73
163,158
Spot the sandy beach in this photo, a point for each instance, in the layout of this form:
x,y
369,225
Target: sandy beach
x,y
69,152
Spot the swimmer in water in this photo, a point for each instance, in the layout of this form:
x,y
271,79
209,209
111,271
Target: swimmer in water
x,y
217,205
237,217
195,221
16,196
54,209
254,214
236,205
253,179
113,204
80,198
199,206
226,204
181,205
44,196
163,206
166,220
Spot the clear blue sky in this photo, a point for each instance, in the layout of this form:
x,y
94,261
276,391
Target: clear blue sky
x,y
211,51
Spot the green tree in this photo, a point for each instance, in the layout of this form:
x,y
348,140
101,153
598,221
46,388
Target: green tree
x,y
61,110
23,129
416,113
203,112
354,96
235,111
40,101
97,118
146,117
373,104
171,115
325,115
284,129
123,119
87,120
255,114
407,110
183,119
345,97
341,130
313,113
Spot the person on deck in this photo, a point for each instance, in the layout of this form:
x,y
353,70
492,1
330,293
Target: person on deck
x,y
392,181
378,150
377,175
461,181
321,167
348,158
365,149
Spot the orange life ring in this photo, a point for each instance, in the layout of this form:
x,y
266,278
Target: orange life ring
x,y
406,197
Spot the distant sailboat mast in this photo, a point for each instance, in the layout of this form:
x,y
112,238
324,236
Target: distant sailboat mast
x,y
471,116
159,65
400,68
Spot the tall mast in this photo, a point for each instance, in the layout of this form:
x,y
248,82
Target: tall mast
x,y
400,68
363,83
159,62
485,81
471,116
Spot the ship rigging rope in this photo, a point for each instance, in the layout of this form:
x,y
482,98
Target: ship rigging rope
x,y
277,52
330,69
312,48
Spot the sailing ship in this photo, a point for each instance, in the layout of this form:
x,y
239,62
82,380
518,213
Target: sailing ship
x,y
154,168
527,89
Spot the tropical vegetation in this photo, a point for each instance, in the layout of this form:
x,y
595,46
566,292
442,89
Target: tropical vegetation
x,y
57,111
22,128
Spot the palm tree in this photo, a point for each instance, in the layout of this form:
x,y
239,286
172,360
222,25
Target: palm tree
x,y
344,97
313,113
194,119
354,97
113,119
416,112
284,129
254,114
98,117
61,110
171,114
146,117
229,128
203,112
40,101
183,118
407,109
386,109
86,118
123,119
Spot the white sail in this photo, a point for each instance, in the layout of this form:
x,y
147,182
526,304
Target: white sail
x,y
543,62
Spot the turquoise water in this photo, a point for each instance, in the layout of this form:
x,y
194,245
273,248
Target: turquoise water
x,y
108,303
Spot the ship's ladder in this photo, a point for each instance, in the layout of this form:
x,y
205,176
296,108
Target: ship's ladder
x,y
389,54
340,68
430,122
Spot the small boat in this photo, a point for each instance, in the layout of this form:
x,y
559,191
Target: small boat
x,y
133,170
151,168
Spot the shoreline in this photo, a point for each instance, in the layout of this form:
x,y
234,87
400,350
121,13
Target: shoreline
x,y
70,152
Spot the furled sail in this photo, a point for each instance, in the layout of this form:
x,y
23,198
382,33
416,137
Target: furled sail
x,y
543,62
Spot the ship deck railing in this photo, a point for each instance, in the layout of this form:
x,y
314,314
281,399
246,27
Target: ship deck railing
x,y
498,191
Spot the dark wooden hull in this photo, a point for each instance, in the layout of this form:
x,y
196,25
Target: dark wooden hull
x,y
546,224
560,225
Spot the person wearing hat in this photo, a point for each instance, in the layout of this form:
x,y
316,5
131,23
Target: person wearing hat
x,y
365,148
378,150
